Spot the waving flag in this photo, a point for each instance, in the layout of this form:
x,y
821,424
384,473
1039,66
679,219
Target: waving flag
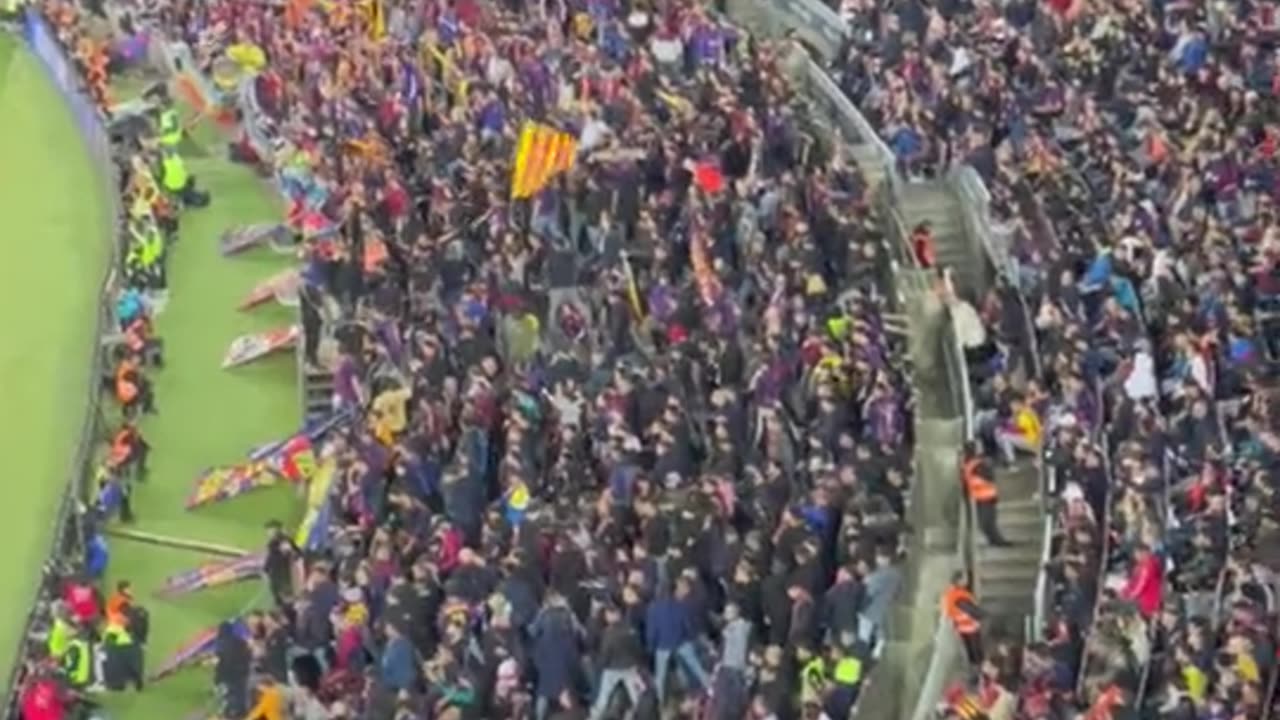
x,y
296,460
411,84
212,574
196,650
313,432
224,483
703,273
314,530
542,153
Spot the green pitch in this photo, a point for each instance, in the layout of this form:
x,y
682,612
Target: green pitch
x,y
54,228
52,215
207,416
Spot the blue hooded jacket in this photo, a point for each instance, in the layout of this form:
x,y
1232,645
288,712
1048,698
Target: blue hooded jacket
x,y
667,624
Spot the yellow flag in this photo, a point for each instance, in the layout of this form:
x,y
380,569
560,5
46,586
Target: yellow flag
x,y
377,18
541,153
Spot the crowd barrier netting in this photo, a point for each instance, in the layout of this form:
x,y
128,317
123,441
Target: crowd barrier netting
x,y
67,541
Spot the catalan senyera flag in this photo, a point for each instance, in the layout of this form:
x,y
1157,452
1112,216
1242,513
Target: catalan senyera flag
x,y
315,524
542,153
376,17
704,275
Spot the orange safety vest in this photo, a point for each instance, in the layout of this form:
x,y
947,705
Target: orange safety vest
x,y
116,605
965,623
122,447
979,488
126,388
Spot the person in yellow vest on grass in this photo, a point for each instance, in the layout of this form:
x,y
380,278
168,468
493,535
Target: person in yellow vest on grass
x,y
178,182
60,633
76,660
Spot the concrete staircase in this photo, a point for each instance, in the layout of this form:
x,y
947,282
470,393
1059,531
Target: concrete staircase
x,y
317,394
868,159
932,202
1007,575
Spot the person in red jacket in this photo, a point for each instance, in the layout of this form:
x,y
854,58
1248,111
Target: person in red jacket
x,y
83,601
42,699
1146,582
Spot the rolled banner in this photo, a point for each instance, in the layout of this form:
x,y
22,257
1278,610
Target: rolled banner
x,y
211,575
196,650
283,287
247,348
241,238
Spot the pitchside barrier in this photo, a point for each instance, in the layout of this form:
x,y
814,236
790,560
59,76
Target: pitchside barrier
x,y
67,542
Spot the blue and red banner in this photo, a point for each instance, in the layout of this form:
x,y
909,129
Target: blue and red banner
x,y
212,574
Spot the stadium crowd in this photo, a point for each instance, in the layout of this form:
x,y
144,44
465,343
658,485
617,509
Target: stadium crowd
x,y
641,441
638,440
652,418
1132,148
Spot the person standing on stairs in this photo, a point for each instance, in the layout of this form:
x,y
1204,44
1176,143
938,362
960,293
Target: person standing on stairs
x,y
962,609
922,244
976,473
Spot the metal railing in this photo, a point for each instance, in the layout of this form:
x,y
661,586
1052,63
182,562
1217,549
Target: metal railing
x,y
945,653
67,541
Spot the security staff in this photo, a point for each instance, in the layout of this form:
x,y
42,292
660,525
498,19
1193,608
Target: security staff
x,y
173,173
121,657
842,692
146,251
61,633
961,608
170,134
813,674
133,390
982,491
77,662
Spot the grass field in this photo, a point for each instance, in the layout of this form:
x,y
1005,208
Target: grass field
x,y
56,244
207,416
53,210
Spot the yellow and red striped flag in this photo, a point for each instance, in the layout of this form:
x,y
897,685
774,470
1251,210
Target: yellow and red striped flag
x,y
704,274
542,153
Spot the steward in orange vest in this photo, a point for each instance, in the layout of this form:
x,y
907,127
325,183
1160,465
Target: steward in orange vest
x,y
976,474
132,389
962,609
128,451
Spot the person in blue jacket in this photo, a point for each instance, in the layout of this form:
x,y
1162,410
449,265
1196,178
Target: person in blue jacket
x,y
396,667
669,634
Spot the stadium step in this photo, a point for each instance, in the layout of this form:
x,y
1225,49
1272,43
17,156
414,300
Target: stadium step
x,y
934,203
317,391
870,163
1007,575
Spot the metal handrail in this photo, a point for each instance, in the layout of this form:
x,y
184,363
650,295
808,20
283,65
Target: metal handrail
x,y
945,648
66,539
1105,554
